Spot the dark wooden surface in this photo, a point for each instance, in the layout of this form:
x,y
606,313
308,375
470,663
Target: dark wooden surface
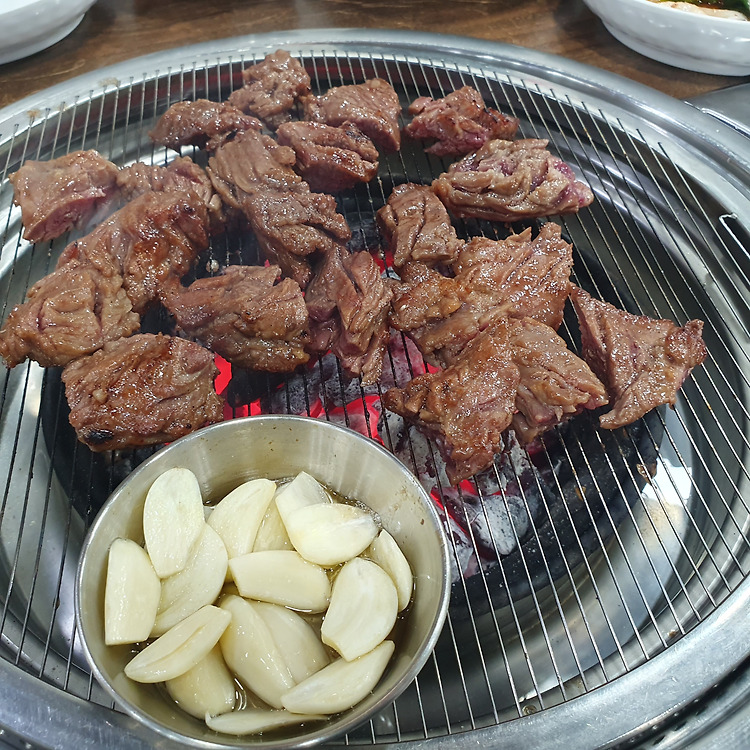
x,y
116,30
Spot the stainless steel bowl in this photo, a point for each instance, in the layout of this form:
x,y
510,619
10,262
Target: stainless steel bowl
x,y
222,457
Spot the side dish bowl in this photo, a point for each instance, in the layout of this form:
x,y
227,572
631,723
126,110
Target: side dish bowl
x,y
691,41
276,447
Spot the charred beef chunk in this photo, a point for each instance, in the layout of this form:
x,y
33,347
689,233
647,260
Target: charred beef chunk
x,y
416,227
72,311
518,276
180,175
201,123
642,361
467,406
330,159
141,390
459,123
154,237
511,181
60,194
254,174
271,88
245,316
348,302
554,384
529,277
372,106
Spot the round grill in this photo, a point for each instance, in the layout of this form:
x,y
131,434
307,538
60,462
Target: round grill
x,y
596,574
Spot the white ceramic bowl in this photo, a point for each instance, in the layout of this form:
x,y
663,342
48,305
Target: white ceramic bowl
x,y
692,41
29,26
222,457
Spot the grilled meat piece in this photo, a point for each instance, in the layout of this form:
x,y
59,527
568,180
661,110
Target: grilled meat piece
x,y
180,175
459,123
642,361
348,302
271,88
141,390
330,159
532,277
416,227
511,181
254,174
245,316
72,311
467,406
60,194
372,106
517,276
554,384
155,236
201,123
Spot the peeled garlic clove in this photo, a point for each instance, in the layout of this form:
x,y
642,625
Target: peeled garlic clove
x,y
180,648
250,651
303,490
196,585
341,684
385,552
208,687
330,533
296,639
272,533
237,517
282,577
172,520
363,609
131,594
254,720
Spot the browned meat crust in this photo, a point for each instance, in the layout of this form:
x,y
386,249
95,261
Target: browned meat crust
x,y
372,106
155,236
416,227
73,311
254,174
511,181
141,390
271,88
200,123
459,123
554,384
330,159
60,194
642,361
245,316
348,302
467,406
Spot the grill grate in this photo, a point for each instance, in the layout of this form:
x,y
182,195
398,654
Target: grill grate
x,y
580,560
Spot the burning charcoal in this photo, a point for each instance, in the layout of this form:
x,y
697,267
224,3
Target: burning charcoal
x,y
459,123
511,181
642,361
142,390
271,88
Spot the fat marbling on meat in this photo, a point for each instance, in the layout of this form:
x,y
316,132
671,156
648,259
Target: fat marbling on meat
x,y
511,181
458,123
142,390
642,361
247,314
